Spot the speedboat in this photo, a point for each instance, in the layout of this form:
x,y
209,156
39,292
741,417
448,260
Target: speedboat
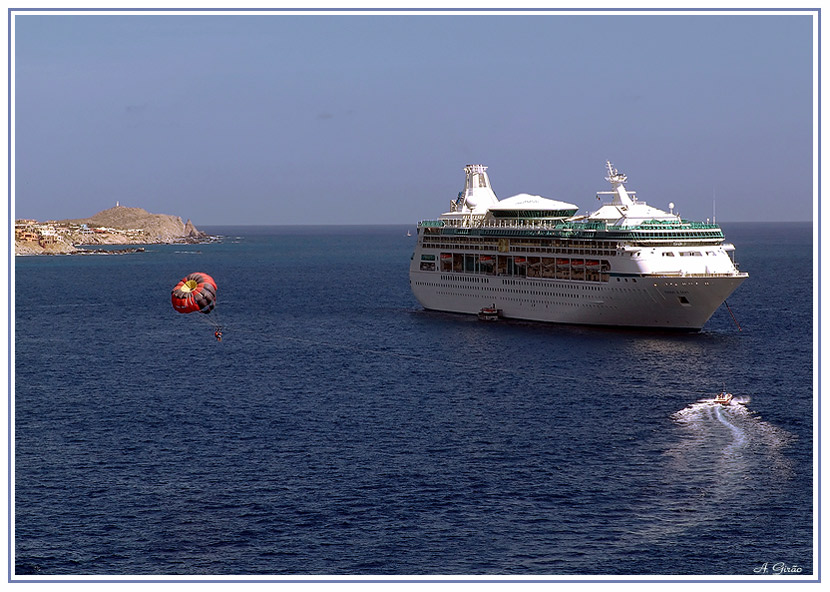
x,y
723,398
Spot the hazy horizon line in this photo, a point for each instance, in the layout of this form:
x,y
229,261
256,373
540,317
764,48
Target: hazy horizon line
x,y
410,224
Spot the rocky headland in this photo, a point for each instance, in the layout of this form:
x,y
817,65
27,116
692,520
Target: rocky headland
x,y
119,225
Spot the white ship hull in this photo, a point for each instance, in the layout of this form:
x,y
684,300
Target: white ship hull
x,y
647,302
627,264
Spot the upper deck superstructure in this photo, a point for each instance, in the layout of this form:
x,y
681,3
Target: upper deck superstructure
x,y
578,269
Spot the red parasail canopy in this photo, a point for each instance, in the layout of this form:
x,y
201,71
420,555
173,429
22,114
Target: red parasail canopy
x,y
195,293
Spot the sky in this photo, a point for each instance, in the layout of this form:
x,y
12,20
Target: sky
x,y
370,119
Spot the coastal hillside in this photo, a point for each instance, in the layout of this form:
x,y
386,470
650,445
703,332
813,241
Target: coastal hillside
x,y
159,227
115,226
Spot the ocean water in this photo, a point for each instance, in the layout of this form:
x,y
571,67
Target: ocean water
x,y
340,429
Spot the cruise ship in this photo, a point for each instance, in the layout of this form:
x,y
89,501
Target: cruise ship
x,y
628,264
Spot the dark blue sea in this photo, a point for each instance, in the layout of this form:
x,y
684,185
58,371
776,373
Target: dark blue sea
x,y
340,429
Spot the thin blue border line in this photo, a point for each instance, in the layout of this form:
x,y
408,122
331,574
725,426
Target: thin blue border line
x,y
470,10
817,571
9,279
387,580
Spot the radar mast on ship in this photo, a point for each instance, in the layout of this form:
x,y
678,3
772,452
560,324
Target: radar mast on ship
x,y
622,197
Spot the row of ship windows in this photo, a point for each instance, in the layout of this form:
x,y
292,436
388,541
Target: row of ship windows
x,y
582,288
690,254
562,251
596,252
534,302
676,235
589,270
526,242
518,291
485,280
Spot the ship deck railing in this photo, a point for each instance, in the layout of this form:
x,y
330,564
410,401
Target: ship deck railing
x,y
477,222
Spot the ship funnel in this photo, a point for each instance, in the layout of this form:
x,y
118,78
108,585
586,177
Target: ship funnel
x,y
478,195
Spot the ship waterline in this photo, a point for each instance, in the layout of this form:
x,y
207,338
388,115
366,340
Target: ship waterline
x,y
627,264
672,303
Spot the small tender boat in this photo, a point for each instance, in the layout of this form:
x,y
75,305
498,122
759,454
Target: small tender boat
x,y
489,313
723,398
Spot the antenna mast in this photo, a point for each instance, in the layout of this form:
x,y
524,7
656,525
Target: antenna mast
x,y
714,219
614,177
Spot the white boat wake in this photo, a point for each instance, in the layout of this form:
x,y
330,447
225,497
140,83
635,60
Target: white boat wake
x,y
733,438
724,453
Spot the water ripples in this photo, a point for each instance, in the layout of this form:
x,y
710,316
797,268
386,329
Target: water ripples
x,y
339,429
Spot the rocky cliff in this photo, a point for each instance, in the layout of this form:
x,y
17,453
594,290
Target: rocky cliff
x,y
156,227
